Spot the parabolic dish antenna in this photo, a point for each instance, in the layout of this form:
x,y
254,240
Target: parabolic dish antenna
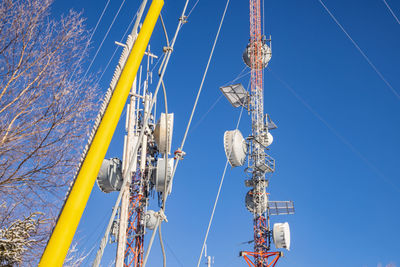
x,y
268,139
160,178
162,134
110,177
235,147
266,54
256,203
150,219
281,235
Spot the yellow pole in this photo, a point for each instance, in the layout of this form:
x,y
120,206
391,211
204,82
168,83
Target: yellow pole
x,y
63,233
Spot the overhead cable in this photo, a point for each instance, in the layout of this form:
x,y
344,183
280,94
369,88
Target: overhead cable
x,y
219,98
194,6
133,153
336,133
104,240
115,50
391,11
90,38
174,254
197,97
166,169
162,246
218,193
361,52
165,30
163,68
190,120
204,76
104,38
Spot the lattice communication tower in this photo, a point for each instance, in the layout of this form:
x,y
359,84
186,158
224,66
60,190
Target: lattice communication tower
x,y
260,164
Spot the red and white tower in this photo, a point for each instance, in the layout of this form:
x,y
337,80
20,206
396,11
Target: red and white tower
x,y
260,164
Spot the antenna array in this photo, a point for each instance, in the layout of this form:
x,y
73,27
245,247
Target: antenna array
x,y
260,164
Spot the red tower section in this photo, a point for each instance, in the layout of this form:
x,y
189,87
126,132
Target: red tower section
x,y
262,234
135,231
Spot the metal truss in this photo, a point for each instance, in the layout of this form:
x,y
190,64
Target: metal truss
x,y
135,231
269,258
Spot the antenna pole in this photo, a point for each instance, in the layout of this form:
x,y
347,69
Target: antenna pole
x,y
260,163
133,228
130,142
70,215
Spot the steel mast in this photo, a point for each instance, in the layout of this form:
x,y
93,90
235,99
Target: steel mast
x,y
141,179
258,156
260,165
149,173
146,167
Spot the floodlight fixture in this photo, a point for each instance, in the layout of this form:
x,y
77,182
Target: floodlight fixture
x,y
236,95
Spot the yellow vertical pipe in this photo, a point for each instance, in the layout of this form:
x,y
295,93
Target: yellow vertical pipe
x,y
63,233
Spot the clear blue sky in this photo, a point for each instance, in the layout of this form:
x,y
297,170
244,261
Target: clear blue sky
x,y
336,148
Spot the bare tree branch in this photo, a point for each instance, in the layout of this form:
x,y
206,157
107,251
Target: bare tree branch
x,y
46,111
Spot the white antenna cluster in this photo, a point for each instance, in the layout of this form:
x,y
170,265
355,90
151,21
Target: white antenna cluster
x,y
153,171
260,164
